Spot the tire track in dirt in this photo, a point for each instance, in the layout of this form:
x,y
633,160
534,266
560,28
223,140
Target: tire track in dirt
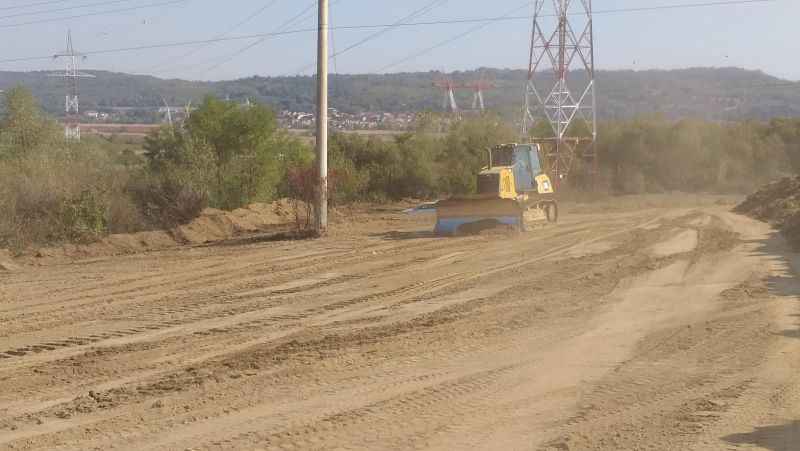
x,y
160,312
383,307
201,300
683,380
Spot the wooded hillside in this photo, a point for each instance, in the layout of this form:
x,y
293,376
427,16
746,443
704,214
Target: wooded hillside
x,y
702,92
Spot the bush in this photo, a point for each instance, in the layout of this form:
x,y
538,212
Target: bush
x,y
44,202
168,200
236,153
56,191
82,217
226,156
301,185
653,154
420,164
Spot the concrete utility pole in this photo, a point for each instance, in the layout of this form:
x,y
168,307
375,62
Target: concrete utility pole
x,y
322,116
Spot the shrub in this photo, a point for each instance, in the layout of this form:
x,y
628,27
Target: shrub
x,y
168,199
82,217
240,151
301,185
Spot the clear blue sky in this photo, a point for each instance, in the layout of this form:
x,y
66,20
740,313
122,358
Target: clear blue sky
x,y
761,36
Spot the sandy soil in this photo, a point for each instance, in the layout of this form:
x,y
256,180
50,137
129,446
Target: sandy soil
x,y
652,326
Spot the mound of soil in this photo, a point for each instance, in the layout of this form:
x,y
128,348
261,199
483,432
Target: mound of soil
x,y
211,226
777,203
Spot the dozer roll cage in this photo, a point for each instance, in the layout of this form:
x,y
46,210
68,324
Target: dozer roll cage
x,y
501,155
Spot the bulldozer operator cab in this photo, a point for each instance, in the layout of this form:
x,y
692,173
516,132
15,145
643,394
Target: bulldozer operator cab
x,y
522,160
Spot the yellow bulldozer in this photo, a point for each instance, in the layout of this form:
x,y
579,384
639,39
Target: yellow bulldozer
x,y
513,189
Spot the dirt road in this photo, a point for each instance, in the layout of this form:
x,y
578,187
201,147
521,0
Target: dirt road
x,y
621,328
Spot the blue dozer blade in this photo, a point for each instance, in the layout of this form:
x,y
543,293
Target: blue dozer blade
x,y
448,226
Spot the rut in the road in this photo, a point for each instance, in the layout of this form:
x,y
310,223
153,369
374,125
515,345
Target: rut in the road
x,y
396,343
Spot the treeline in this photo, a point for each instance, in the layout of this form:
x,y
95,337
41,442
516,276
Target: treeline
x,y
709,93
227,156
52,190
653,154
649,154
224,156
425,163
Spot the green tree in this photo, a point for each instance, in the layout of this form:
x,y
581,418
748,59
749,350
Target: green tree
x,y
787,130
22,128
237,153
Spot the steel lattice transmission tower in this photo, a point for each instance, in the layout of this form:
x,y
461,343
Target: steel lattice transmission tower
x,y
449,96
478,87
561,84
72,126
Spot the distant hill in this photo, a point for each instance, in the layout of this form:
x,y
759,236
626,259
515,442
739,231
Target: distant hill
x,y
712,93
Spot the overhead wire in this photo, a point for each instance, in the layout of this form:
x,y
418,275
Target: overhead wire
x,y
296,19
201,46
417,13
146,19
454,38
636,9
680,6
66,8
299,18
529,17
98,13
281,31
510,16
277,32
4,8
165,45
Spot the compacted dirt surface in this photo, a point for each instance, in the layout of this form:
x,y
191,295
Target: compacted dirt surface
x,y
657,325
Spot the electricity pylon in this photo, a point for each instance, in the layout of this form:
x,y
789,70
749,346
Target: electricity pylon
x,y
72,125
561,84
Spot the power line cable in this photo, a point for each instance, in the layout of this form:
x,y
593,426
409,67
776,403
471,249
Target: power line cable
x,y
299,17
529,17
277,32
231,55
66,8
417,13
5,8
165,45
201,46
509,16
99,13
454,38
147,20
346,27
226,57
680,6
621,10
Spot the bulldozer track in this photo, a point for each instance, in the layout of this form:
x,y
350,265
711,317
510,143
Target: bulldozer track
x,y
649,327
